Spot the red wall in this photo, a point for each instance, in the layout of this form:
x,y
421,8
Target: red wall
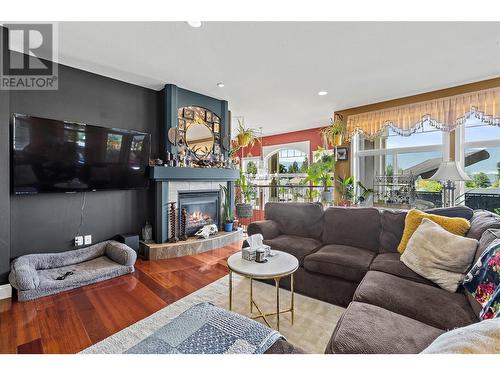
x,y
311,135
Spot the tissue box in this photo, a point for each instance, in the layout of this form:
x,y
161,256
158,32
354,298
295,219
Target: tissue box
x,y
248,253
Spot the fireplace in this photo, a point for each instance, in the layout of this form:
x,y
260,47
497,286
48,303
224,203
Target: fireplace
x,y
202,207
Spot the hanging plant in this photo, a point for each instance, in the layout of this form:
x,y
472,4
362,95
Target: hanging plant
x,y
334,133
246,136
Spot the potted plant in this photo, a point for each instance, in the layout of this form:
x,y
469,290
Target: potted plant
x,y
366,197
320,173
246,192
334,133
346,190
227,213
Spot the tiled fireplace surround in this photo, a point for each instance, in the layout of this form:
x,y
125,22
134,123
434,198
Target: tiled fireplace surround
x,y
169,181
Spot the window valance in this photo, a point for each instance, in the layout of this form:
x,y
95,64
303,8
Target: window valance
x,y
444,113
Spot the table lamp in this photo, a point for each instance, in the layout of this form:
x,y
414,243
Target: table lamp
x,y
448,173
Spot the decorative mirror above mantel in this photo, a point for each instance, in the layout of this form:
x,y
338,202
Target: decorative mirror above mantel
x,y
199,139
199,130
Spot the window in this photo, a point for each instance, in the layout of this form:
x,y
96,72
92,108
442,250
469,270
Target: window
x,y
478,148
392,154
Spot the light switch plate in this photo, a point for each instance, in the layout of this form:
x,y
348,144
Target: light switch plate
x,y
88,239
79,241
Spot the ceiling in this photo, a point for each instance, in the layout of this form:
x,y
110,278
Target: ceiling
x,y
272,71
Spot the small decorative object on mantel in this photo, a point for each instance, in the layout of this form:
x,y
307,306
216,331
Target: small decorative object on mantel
x,y
206,231
158,162
173,136
147,232
182,235
226,143
173,222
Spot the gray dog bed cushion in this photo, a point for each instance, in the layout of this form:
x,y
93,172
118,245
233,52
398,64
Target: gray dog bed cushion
x,y
35,275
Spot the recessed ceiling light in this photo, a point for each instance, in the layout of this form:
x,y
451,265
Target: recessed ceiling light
x,y
220,84
195,24
322,93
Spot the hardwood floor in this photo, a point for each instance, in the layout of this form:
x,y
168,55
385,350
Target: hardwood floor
x,y
71,321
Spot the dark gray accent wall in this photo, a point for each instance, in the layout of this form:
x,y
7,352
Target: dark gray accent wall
x,y
4,180
49,222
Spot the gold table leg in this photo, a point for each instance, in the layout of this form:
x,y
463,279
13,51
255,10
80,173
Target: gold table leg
x,y
292,304
251,295
277,281
263,315
230,290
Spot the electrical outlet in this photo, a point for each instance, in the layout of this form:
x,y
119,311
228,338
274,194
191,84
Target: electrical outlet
x,y
88,239
79,241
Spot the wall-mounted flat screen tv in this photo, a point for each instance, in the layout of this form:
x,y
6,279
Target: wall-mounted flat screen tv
x,y
58,156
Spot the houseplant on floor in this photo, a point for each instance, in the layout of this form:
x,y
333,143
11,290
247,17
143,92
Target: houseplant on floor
x,y
227,213
320,173
245,194
365,199
346,189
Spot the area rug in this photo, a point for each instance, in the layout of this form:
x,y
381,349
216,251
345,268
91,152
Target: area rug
x,y
313,326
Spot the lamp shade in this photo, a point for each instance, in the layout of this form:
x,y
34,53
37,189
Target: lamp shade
x,y
450,171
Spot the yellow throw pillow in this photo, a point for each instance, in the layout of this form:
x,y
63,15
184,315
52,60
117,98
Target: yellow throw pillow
x,y
455,225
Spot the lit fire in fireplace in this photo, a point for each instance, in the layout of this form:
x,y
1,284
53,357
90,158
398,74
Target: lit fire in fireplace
x,y
198,218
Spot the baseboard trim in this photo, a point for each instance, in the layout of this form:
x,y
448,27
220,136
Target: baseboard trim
x,y
5,291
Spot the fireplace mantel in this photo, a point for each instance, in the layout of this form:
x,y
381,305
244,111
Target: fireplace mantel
x,y
164,177
192,174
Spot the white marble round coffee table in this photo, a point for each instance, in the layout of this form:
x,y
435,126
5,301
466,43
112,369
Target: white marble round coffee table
x,y
280,265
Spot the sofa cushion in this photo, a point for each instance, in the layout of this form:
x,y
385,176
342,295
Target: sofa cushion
x,y
393,223
455,225
425,303
439,255
481,221
391,263
457,211
345,262
299,219
358,227
369,329
298,246
268,228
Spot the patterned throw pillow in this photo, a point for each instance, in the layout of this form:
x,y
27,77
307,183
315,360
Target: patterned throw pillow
x,y
483,281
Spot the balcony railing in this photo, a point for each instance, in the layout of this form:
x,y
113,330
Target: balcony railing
x,y
305,193
280,193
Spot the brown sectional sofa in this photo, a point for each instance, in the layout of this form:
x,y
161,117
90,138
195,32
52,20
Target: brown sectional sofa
x,y
348,257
